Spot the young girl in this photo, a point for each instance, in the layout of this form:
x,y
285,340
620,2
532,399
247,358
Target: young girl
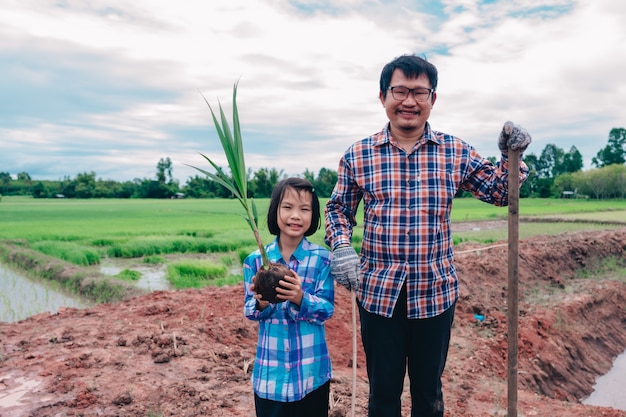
x,y
292,370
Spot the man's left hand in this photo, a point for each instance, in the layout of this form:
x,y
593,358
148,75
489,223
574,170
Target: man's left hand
x,y
513,137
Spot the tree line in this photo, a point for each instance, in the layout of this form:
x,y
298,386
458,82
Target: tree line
x,y
552,173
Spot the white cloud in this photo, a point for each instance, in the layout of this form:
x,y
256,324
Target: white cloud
x,y
120,83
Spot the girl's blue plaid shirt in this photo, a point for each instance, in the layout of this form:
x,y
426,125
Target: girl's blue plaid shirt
x,y
292,357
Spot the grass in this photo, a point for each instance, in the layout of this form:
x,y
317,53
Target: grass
x,y
82,232
128,275
194,273
470,209
611,267
68,251
526,230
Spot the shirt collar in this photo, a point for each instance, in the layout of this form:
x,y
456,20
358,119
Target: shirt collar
x,y
273,251
385,136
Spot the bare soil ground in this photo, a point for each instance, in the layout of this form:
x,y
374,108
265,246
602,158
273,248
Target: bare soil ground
x,y
189,353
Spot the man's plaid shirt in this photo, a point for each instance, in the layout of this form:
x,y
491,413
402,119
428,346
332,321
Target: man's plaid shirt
x,y
407,198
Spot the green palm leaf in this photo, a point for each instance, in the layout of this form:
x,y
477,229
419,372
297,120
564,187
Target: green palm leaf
x,y
237,183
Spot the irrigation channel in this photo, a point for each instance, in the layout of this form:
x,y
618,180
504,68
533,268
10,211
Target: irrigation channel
x,y
22,297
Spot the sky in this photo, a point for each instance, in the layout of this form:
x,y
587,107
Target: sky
x,y
113,86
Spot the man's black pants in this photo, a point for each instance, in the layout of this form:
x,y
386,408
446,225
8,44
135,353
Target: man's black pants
x,y
394,344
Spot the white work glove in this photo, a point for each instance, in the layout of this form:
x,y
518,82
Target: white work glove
x,y
344,267
513,137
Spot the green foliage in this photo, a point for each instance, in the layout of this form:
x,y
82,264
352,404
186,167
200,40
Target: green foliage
x,y
544,169
237,182
243,252
324,183
128,275
68,251
195,226
158,245
610,266
72,279
153,260
552,163
194,273
608,182
264,181
615,150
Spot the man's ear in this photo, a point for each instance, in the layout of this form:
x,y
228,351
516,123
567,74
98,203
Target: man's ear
x,y
382,98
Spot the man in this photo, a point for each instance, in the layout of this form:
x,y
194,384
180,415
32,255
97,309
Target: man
x,y
406,285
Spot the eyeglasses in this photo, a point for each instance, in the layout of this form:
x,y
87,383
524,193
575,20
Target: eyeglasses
x,y
402,93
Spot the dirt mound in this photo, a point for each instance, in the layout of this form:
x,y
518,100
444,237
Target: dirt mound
x,y
189,353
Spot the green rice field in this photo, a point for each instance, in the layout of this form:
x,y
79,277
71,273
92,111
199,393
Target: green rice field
x,y
203,242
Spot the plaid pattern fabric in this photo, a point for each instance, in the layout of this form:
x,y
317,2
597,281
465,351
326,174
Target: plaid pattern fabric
x,y
407,198
292,357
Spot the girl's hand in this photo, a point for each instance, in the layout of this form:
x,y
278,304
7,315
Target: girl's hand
x,y
260,302
290,289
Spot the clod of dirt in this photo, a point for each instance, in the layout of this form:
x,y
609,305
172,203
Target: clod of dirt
x,y
266,281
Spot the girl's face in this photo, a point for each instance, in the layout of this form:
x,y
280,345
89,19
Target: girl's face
x,y
295,213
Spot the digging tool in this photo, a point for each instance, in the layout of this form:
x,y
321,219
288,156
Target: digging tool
x,y
353,294
512,301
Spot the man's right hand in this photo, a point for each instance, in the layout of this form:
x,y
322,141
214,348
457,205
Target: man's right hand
x,y
345,266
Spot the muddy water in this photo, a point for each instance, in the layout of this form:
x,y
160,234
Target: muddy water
x,y
21,297
152,277
609,388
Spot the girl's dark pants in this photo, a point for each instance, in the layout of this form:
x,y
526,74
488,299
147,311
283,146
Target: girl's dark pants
x,y
393,344
314,404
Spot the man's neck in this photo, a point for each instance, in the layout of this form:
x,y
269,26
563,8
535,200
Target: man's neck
x,y
406,139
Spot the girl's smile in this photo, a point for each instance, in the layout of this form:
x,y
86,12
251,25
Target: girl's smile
x,y
294,214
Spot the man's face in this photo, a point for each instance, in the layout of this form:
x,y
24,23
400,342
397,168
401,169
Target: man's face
x,y
408,115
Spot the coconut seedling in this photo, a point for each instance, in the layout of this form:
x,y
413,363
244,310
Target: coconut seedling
x,y
268,276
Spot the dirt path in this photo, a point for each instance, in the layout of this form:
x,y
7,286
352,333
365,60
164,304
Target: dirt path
x,y
188,353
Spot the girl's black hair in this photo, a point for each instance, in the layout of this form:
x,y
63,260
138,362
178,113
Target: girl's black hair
x,y
298,184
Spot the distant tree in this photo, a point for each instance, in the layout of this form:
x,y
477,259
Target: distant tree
x,y
127,189
152,189
309,176
325,182
550,161
529,187
164,170
543,170
39,190
602,183
168,186
108,189
260,185
67,187
565,182
199,187
263,182
572,161
5,180
85,185
615,150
